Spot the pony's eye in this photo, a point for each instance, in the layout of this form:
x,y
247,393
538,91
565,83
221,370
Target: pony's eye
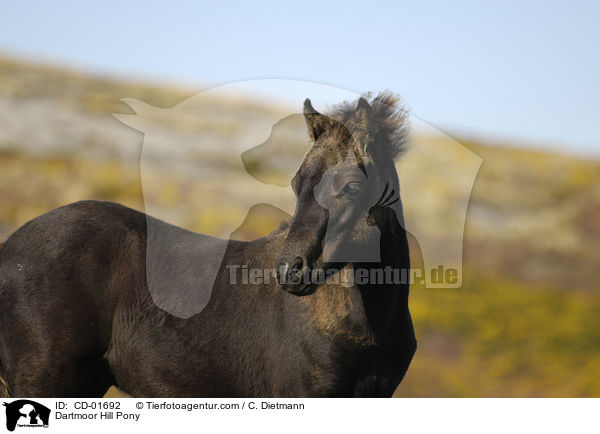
x,y
351,188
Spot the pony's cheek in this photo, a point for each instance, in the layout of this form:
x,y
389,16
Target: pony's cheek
x,y
347,216
368,230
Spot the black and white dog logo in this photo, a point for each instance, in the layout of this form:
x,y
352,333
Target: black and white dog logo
x,y
26,413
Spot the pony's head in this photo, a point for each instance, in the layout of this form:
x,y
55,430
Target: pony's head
x,y
347,172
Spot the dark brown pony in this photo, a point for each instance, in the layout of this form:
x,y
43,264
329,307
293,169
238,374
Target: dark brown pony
x,y
76,314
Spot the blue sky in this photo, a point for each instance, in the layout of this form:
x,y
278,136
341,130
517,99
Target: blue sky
x,y
524,71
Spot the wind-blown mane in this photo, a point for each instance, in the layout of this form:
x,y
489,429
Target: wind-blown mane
x,y
388,114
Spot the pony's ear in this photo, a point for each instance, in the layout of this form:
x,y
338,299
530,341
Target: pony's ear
x,y
315,121
366,123
363,108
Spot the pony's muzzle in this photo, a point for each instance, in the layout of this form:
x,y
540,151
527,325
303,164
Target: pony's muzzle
x,y
291,275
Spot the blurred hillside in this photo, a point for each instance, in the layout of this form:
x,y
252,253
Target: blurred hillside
x,y
527,319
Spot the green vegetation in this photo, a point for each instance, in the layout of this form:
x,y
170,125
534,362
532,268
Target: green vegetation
x,y
498,337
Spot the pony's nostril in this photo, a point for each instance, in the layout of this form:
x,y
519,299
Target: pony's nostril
x,y
291,275
298,264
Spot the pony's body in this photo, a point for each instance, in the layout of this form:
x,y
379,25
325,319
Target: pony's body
x,y
76,315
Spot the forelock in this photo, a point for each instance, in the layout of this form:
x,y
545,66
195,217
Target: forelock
x,y
389,123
